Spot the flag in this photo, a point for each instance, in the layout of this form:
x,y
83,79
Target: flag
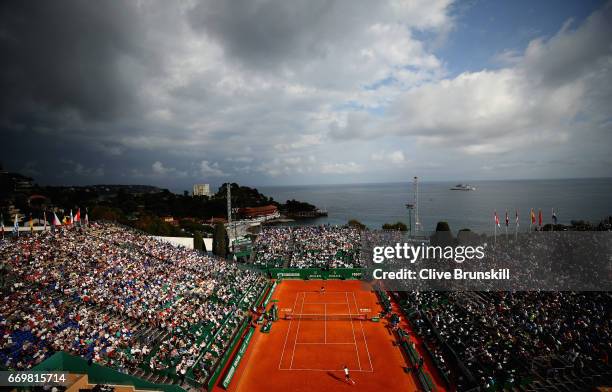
x,y
497,219
86,218
77,216
533,217
56,221
71,218
517,218
554,217
31,224
16,226
507,219
540,218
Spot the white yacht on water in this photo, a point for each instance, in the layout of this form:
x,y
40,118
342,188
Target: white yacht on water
x,y
463,187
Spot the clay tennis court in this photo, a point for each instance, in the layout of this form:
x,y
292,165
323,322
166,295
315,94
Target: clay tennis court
x,y
317,335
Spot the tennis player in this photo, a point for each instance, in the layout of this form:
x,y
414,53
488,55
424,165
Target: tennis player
x,y
347,376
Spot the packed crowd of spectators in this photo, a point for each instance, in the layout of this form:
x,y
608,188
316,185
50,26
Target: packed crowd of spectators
x,y
568,260
39,324
331,246
309,246
273,246
498,336
85,285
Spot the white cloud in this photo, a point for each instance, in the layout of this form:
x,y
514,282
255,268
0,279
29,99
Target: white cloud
x,y
554,93
240,159
508,57
302,142
395,157
341,168
159,169
485,107
212,170
285,165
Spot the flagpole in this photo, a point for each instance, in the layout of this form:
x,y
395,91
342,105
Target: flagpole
x,y
516,226
530,219
495,229
507,225
552,214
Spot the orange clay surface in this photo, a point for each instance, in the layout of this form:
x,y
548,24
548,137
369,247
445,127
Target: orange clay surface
x,y
308,355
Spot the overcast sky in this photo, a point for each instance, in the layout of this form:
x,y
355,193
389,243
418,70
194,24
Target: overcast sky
x,y
286,92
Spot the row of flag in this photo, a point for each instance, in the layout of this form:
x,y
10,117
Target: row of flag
x,y
66,221
532,216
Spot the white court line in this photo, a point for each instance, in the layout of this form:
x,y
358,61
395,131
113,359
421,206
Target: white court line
x,y
297,332
364,338
324,344
353,329
288,330
325,324
329,370
325,303
325,320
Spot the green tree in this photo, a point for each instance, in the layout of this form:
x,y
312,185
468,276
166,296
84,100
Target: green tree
x,y
443,226
154,225
395,226
219,240
356,224
466,237
106,213
190,226
198,241
294,206
443,235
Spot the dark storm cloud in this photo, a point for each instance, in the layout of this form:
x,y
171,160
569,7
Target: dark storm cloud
x,y
153,91
277,32
63,57
266,91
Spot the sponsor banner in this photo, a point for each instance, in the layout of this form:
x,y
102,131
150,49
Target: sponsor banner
x,y
239,354
315,273
265,303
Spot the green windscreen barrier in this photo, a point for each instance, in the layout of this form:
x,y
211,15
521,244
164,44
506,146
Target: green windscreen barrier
x,y
315,273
